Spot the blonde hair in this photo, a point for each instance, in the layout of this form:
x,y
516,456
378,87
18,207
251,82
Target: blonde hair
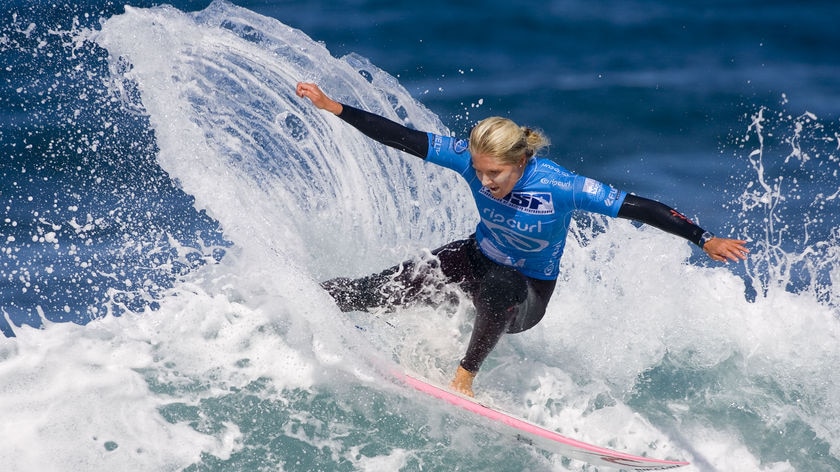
x,y
505,140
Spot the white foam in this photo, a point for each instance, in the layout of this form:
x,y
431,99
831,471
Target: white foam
x,y
304,197
73,399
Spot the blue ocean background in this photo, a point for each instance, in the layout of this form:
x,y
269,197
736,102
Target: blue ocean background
x,y
169,206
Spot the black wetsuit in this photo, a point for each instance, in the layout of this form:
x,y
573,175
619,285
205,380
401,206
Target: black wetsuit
x,y
506,299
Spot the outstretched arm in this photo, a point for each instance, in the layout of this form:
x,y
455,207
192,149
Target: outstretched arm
x,y
371,125
667,219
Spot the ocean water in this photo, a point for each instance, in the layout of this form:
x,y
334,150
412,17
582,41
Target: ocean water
x,y
169,206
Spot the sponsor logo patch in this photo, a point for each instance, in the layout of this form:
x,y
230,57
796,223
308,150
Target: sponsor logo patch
x,y
535,203
460,146
437,144
594,188
600,191
507,237
611,198
563,184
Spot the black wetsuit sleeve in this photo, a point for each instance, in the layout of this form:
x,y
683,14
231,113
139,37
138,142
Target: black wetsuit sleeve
x,y
661,216
386,131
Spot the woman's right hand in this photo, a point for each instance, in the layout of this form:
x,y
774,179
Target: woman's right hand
x,y
318,98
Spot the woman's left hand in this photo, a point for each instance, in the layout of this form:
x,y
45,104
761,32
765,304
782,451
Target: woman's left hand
x,y
725,249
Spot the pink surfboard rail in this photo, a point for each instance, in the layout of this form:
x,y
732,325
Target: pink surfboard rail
x,y
543,438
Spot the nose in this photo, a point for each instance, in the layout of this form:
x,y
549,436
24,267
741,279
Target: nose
x,y
484,179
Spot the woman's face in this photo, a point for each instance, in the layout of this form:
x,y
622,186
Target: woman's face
x,y
497,177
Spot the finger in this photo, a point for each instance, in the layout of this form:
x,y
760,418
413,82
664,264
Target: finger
x,y
725,255
737,254
729,254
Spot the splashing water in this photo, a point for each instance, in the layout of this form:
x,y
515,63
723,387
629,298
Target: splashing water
x,y
243,363
788,203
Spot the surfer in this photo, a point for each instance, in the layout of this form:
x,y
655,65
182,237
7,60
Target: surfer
x,y
509,266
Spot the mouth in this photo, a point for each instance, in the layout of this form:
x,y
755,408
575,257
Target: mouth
x,y
494,190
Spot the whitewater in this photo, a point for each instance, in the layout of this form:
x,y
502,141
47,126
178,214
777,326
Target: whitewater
x,y
244,363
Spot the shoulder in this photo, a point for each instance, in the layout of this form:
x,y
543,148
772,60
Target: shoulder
x,y
551,175
545,165
448,151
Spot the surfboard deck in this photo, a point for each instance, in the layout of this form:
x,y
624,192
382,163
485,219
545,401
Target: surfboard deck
x,y
537,436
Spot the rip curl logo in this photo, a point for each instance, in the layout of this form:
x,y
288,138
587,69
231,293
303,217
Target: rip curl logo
x,y
676,214
535,203
563,184
506,236
460,146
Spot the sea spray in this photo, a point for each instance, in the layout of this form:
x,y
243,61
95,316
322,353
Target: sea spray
x,y
242,362
789,200
93,226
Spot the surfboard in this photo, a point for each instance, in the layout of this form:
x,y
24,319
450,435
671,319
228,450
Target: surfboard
x,y
537,436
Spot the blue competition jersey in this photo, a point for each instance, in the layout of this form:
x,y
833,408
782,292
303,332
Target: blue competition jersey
x,y
527,228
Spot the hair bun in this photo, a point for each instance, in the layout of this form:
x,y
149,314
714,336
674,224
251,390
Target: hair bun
x,y
505,140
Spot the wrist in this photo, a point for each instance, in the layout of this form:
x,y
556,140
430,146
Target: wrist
x,y
335,108
704,238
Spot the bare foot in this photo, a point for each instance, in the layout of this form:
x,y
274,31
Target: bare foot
x,y
462,383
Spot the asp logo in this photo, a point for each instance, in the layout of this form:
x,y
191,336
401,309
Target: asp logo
x,y
535,203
